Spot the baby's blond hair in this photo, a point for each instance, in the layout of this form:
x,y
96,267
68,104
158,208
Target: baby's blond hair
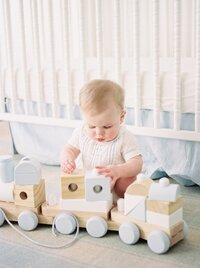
x,y
98,94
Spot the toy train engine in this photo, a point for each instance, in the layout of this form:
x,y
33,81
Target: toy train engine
x,y
152,211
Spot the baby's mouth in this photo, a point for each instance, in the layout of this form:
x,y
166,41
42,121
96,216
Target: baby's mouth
x,y
100,140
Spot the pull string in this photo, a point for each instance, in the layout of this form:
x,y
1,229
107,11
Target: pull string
x,y
68,243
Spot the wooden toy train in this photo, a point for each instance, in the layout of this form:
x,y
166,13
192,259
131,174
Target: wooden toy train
x,y
150,210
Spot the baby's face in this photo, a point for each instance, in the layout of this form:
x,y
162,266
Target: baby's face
x,y
104,127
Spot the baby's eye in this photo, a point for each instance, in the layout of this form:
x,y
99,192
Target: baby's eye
x,y
107,127
91,127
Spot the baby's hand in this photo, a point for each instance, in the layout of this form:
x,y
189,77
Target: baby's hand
x,y
68,166
109,171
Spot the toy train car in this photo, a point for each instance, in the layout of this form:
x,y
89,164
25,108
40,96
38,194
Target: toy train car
x,y
151,211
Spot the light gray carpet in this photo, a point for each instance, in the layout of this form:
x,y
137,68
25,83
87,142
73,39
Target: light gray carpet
x,y
108,251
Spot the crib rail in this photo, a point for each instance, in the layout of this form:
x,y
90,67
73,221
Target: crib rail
x,y
50,48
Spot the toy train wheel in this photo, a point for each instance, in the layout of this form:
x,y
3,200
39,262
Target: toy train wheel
x,y
96,226
27,220
2,218
158,242
129,233
65,223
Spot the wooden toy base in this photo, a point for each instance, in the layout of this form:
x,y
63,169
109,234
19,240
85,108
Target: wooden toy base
x,y
114,219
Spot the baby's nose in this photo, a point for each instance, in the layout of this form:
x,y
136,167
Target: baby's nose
x,y
99,131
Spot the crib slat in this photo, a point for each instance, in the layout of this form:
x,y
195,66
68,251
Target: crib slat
x,y
156,82
165,32
177,63
197,82
99,39
24,59
9,42
193,28
82,42
126,24
117,38
65,11
41,25
136,47
52,58
37,52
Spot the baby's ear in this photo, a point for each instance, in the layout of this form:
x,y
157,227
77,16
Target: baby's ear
x,y
122,116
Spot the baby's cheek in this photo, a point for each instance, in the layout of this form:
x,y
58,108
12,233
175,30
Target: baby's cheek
x,y
113,134
91,134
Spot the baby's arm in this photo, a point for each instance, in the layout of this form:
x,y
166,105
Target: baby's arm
x,y
126,170
68,157
131,168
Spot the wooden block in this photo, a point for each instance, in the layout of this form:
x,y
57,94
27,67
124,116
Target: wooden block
x,y
73,185
164,207
131,201
52,211
161,192
6,191
29,195
45,219
97,187
164,220
113,226
139,188
177,237
27,171
88,206
138,212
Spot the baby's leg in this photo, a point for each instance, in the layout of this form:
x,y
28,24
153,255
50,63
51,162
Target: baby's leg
x,y
122,184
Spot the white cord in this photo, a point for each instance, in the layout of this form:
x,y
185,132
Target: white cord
x,y
53,231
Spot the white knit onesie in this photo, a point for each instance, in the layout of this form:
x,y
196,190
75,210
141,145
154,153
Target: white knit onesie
x,y
93,153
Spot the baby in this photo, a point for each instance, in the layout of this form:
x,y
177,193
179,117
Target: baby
x,y
103,141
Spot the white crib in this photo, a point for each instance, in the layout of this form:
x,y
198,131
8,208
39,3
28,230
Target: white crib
x,y
49,49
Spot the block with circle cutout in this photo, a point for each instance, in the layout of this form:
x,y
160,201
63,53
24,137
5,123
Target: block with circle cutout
x,y
97,187
73,185
30,195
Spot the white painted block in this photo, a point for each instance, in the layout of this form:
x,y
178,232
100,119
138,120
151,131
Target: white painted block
x,y
28,171
138,212
131,201
6,191
97,187
6,168
168,193
120,204
163,220
88,206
